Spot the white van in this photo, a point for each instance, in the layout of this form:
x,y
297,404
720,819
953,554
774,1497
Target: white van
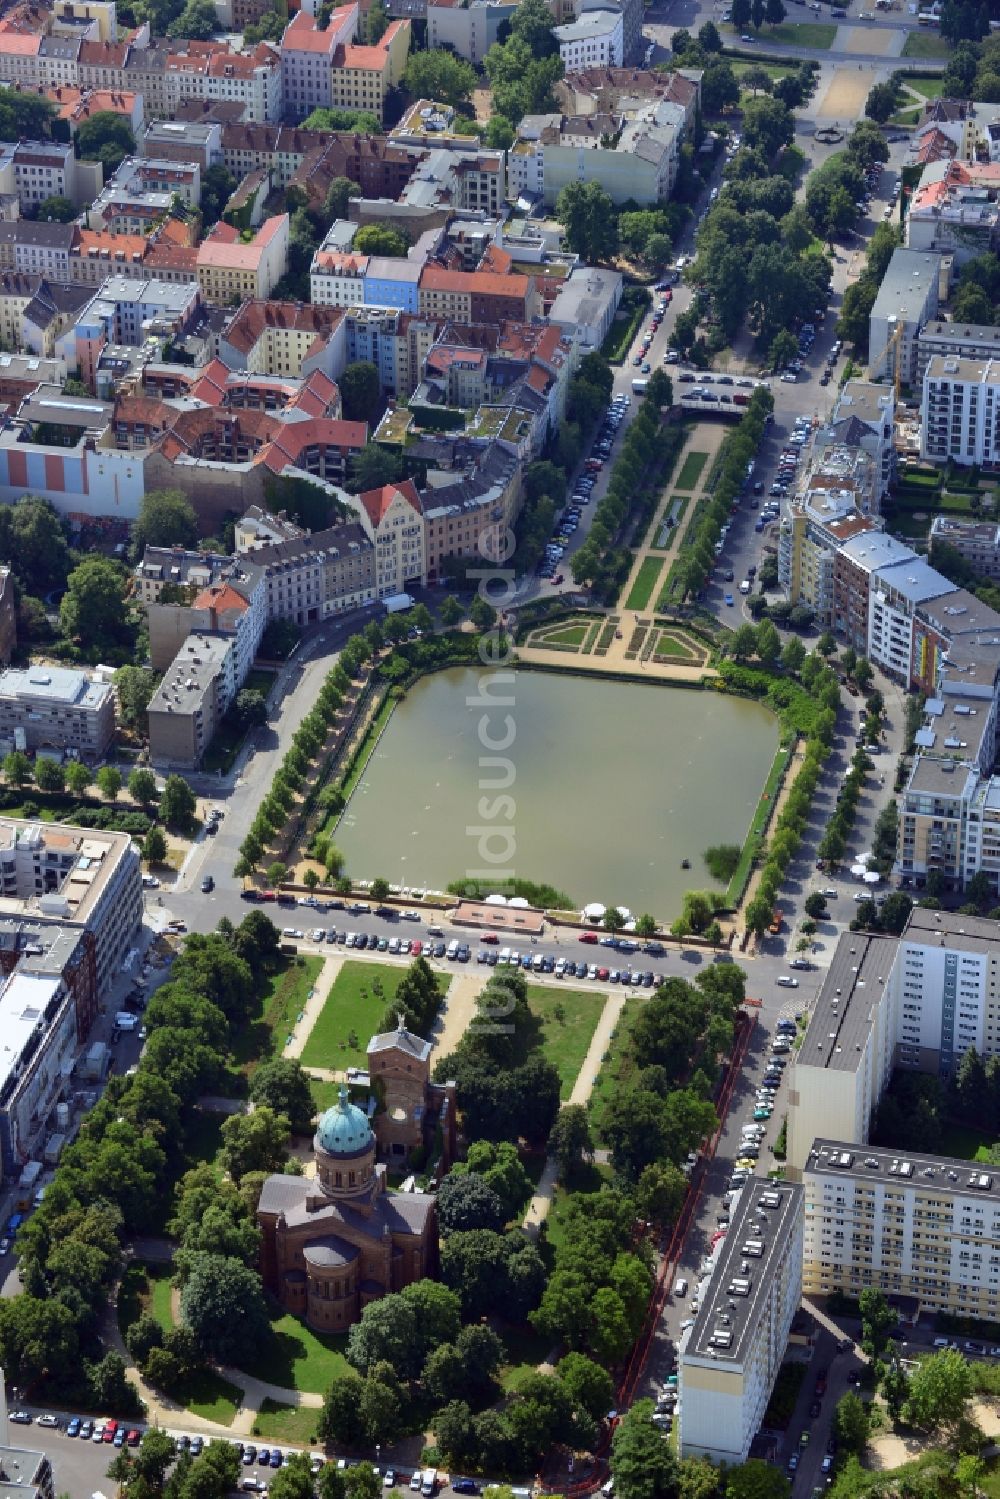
x,y
452,950
680,1286
126,1021
504,958
428,1486
745,586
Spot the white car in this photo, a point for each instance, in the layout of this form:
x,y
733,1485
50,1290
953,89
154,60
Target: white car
x,y
786,981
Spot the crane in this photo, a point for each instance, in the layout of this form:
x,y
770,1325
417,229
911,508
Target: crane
x,y
891,346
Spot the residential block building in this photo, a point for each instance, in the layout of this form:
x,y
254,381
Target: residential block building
x,y
596,39
978,542
307,59
960,410
729,1360
907,298
51,708
230,270
911,1224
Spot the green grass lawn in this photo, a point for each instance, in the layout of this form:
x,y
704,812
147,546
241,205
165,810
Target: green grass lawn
x,y
818,34
145,1288
616,1068
161,1294
645,581
298,1358
572,635
284,997
667,646
526,1349
926,44
965,1143
568,1018
927,88
295,1424
690,470
774,70
213,1398
353,1011
324,1094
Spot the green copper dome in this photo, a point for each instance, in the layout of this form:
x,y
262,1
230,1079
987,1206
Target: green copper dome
x,y
344,1130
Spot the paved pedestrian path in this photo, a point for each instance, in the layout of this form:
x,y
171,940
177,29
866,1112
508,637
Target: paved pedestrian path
x,y
538,1207
313,1006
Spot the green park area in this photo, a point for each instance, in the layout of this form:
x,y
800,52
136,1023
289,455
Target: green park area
x,y
276,1422
691,469
817,34
352,1012
147,1288
568,1019
617,1065
297,1358
926,44
279,1004
645,583
572,635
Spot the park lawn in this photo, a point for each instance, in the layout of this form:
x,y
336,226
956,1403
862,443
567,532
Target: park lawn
x,y
690,470
616,1069
161,1293
568,1019
573,635
925,44
645,581
145,1288
213,1398
352,1012
666,646
295,1424
284,998
324,1094
966,1144
298,1358
927,88
526,1349
774,70
818,34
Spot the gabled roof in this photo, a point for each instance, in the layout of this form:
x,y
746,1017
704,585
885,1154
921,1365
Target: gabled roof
x,y
377,501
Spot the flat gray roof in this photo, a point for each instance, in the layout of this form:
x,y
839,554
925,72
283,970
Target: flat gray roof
x,y
940,778
915,580
764,1217
951,928
54,684
912,1168
842,1017
876,549
908,278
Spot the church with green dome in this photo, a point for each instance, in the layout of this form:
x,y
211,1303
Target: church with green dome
x,y
333,1242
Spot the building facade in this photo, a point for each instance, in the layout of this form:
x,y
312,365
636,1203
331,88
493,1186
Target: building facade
x,y
51,708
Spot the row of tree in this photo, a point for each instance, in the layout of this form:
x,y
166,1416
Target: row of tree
x,y
602,561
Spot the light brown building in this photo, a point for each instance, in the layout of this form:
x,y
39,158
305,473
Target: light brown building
x,y
334,1243
411,1106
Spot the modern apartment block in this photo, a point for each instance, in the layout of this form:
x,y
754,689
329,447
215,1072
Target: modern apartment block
x,y
52,708
960,410
959,340
729,1359
915,1002
56,875
920,1226
977,541
907,298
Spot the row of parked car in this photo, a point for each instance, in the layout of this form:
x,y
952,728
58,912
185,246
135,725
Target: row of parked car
x,y
569,520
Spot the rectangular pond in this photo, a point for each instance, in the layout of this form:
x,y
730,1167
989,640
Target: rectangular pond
x,y
597,787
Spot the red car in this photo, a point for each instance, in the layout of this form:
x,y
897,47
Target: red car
x,y
417,948
133,1437
603,974
269,895
490,937
590,937
109,1431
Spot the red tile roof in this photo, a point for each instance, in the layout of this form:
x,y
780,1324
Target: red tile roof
x,y
377,501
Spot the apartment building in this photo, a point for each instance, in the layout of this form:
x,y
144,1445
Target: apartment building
x,y
960,340
53,874
809,538
52,708
467,27
40,249
184,140
394,342
960,410
286,339
856,562
633,156
478,296
586,304
186,708
307,59
230,270
395,516
954,210
179,573
211,71
596,39
361,77
96,255
915,1225
309,576
977,541
907,298
729,1360
863,418
849,1048
895,595
37,170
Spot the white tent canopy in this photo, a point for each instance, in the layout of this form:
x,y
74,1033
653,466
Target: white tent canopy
x,y
594,911
495,900
872,877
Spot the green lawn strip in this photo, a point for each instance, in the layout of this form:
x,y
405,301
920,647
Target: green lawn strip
x,y
213,1398
604,640
351,1014
669,647
925,44
645,581
927,88
526,1349
568,1018
592,634
324,1094
284,997
161,1294
567,635
761,818
691,469
966,1144
296,1357
774,70
616,1069
817,34
260,681
295,1424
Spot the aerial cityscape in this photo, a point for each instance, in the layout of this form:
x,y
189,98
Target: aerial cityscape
x,y
508,488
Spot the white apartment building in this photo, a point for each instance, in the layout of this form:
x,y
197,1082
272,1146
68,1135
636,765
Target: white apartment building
x,y
921,1226
960,410
307,58
895,594
595,39
728,1361
917,1002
